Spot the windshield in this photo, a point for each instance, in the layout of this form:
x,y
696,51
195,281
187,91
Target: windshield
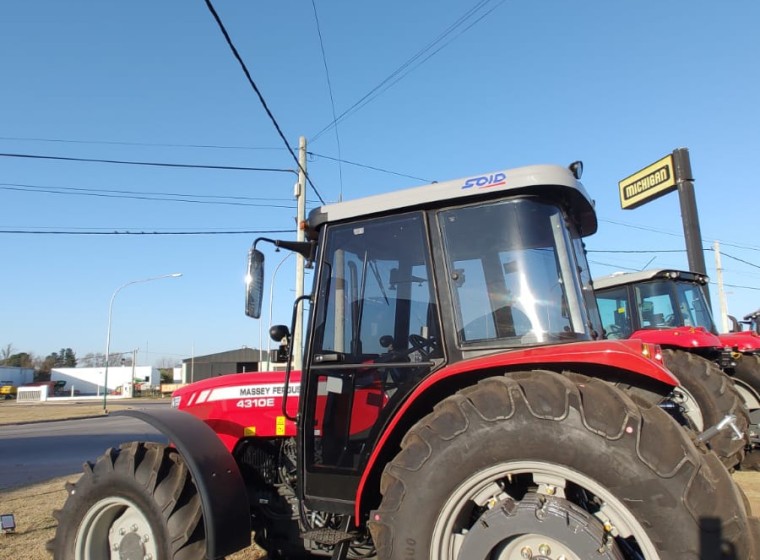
x,y
665,303
513,274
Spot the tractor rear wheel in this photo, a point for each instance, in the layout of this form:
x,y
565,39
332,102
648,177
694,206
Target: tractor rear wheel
x,y
708,395
747,370
537,464
137,501
747,376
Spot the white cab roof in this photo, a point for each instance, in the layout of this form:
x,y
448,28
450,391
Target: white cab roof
x,y
534,179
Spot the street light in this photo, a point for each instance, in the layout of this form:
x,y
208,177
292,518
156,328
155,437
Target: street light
x,y
108,335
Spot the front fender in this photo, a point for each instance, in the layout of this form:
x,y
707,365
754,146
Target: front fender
x,y
226,512
621,355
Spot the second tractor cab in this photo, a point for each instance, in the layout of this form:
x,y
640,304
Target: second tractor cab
x,y
454,403
669,308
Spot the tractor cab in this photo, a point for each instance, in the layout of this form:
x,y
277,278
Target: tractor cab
x,y
410,283
652,300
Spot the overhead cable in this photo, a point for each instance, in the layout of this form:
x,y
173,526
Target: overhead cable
x,y
148,163
237,56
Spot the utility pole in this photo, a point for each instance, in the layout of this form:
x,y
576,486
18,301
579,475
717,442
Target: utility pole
x,y
134,359
721,291
300,194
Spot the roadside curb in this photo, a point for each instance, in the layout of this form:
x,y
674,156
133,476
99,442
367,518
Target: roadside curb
x,y
25,422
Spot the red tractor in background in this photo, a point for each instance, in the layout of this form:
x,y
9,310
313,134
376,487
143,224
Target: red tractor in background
x,y
746,348
668,307
455,403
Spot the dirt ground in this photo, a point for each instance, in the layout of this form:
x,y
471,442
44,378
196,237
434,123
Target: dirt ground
x,y
33,505
12,412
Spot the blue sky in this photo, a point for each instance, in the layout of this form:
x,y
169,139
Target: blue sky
x,y
615,84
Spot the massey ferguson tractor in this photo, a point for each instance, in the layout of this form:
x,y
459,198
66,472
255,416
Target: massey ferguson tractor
x,y
746,348
456,402
669,308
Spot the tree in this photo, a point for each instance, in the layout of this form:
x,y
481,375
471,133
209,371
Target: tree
x,y
167,375
92,359
5,353
64,358
22,359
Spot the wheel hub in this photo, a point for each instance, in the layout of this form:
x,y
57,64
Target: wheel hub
x,y
115,529
538,528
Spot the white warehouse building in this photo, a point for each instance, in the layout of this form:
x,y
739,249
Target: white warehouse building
x,y
89,381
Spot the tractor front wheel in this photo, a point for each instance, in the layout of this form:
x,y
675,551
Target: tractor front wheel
x,y
137,501
541,465
707,394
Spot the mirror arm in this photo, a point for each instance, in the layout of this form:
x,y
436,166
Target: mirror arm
x,y
307,249
288,365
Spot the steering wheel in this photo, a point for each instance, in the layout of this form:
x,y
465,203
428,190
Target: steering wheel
x,y
425,346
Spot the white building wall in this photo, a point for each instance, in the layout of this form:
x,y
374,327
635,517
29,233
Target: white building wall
x,y
90,380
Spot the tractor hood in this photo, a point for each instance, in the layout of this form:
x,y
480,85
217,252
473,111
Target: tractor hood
x,y
242,404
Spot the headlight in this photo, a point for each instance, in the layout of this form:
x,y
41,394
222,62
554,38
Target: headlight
x,y
176,401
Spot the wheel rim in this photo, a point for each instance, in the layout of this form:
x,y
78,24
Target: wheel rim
x,y
115,528
474,504
690,408
748,395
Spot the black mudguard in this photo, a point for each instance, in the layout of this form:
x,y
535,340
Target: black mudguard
x,y
226,511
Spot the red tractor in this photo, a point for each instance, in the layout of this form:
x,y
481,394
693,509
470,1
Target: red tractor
x,y
746,348
454,403
669,308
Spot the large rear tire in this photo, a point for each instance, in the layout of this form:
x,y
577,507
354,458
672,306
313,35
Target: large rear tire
x,y
708,395
747,375
137,501
747,369
537,464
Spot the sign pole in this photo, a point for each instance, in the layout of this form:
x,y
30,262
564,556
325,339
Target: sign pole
x,y
689,216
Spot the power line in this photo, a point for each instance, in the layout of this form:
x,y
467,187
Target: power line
x,y
672,234
141,144
237,56
639,251
135,195
148,163
406,68
163,164
197,232
370,167
329,89
737,259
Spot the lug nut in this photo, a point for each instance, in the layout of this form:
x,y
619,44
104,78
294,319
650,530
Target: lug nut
x,y
544,550
526,552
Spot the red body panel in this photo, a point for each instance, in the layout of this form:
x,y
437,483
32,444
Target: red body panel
x,y
681,337
243,404
620,354
250,405
745,341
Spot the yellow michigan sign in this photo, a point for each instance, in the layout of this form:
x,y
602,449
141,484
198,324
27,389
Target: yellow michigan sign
x,y
651,182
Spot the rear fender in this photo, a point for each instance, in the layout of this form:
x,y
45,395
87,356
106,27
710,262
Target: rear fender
x,y
226,512
626,359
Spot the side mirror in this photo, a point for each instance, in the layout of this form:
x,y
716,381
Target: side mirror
x,y
254,283
278,333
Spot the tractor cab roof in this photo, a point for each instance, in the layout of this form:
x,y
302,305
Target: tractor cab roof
x,y
625,278
552,182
